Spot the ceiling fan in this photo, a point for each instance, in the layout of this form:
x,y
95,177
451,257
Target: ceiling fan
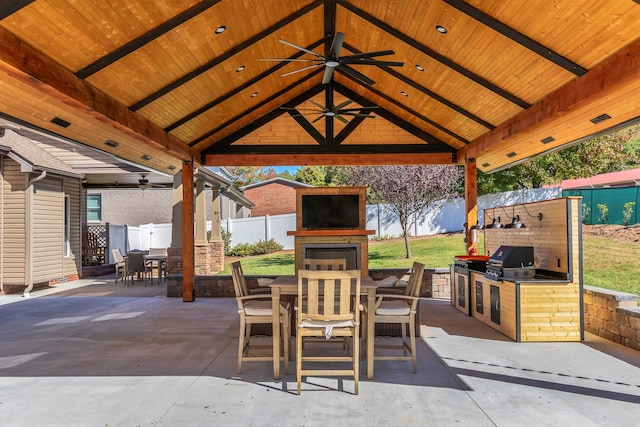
x,y
334,60
337,111
143,183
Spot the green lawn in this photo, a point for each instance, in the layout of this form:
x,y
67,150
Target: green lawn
x,y
607,263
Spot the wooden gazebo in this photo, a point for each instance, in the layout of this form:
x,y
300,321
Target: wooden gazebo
x,y
180,83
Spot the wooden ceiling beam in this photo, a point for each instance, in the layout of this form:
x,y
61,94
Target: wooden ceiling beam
x,y
225,56
145,38
242,132
429,93
8,8
433,54
32,68
611,75
517,37
324,159
236,90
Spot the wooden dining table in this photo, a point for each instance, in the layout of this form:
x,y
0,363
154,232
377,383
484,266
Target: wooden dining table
x,y
288,285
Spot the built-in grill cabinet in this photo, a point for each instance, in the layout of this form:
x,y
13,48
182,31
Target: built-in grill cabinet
x,y
461,289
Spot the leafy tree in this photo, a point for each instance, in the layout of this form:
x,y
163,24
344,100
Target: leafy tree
x,y
606,153
312,175
406,190
246,175
287,175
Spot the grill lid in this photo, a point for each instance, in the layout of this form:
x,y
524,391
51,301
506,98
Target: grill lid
x,y
513,257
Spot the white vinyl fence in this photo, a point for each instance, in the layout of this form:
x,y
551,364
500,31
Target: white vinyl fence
x,y
448,216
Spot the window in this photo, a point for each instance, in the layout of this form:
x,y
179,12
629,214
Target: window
x,y
67,226
94,207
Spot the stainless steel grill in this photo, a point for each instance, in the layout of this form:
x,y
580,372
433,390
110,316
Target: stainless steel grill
x,y
511,262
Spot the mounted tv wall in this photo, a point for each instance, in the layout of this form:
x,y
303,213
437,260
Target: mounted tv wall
x,y
331,208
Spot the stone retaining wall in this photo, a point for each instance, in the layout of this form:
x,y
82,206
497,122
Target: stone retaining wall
x,y
435,283
612,315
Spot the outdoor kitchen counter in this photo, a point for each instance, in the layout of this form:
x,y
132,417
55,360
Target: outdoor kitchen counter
x,y
534,309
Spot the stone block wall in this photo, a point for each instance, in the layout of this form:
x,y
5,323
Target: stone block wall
x,y
435,283
612,315
209,259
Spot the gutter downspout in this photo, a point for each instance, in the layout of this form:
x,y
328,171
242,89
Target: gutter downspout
x,y
29,280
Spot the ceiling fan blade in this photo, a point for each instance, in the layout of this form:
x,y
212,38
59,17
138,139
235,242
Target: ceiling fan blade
x,y
344,104
355,74
302,69
311,101
342,119
368,54
357,114
321,116
375,62
358,108
328,72
302,48
290,60
336,45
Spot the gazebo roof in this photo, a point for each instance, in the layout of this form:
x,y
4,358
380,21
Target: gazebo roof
x,y
156,83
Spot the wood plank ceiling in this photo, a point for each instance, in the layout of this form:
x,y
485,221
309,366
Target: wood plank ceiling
x,y
158,82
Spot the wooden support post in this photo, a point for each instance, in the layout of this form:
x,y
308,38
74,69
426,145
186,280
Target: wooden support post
x,y
471,203
188,256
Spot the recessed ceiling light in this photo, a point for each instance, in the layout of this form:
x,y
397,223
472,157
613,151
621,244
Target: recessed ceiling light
x,y
547,140
419,68
403,93
254,94
484,165
60,122
240,68
171,167
145,157
221,29
511,154
601,118
441,29
111,143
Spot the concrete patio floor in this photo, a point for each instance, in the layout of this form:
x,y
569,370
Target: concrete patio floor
x,y
92,353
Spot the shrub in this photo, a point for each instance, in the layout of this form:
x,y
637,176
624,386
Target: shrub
x,y
627,211
586,209
243,249
266,247
226,238
603,213
260,248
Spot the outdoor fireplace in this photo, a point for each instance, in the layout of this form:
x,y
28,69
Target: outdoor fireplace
x,y
331,224
349,252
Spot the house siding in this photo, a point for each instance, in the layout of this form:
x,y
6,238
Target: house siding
x,y
72,263
13,227
272,199
48,230
153,205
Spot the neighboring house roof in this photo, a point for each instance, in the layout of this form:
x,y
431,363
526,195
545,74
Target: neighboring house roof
x,y
237,196
278,180
625,178
31,157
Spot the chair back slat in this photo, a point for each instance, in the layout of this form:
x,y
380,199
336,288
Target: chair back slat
x,y
326,295
117,256
415,280
324,264
135,262
157,251
239,281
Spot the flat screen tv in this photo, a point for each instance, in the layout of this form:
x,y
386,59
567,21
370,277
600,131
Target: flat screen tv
x,y
330,211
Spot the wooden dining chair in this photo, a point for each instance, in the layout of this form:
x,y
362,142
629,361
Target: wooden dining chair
x,y
257,309
162,264
400,309
326,265
119,262
325,308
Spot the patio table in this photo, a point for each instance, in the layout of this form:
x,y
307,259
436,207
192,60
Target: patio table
x,y
288,285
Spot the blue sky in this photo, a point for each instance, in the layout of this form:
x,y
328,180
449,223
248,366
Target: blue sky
x,y
292,169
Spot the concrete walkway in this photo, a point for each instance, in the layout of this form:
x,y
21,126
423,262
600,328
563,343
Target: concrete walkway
x,y
92,353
